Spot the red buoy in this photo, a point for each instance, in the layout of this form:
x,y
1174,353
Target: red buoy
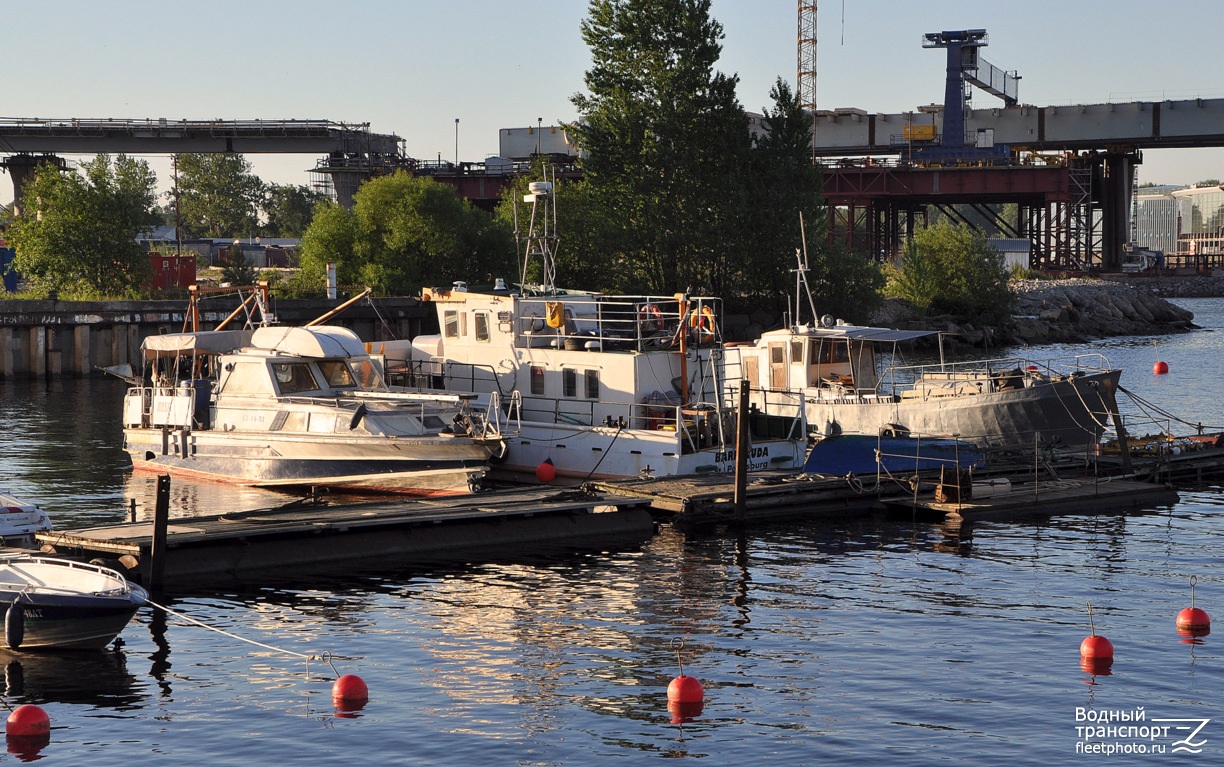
x,y
350,688
684,712
27,721
685,689
1160,368
546,472
1096,647
1192,621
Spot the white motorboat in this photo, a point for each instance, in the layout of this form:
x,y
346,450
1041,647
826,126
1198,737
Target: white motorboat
x,y
594,386
19,521
851,383
289,407
61,604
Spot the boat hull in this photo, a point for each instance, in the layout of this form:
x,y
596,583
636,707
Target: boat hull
x,y
424,468
61,604
604,453
74,623
1071,412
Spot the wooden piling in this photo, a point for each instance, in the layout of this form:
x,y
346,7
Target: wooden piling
x,y
161,521
741,454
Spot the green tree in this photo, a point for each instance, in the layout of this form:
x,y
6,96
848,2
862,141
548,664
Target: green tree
x,y
288,209
666,142
77,232
953,270
403,233
218,196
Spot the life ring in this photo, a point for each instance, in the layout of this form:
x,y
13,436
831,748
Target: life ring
x,y
650,319
701,321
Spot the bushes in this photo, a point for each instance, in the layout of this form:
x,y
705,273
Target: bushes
x,y
953,270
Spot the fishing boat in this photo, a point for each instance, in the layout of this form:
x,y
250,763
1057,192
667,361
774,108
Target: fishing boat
x,y
288,407
62,604
594,386
20,520
852,382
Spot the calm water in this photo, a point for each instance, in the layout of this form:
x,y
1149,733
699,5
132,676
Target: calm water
x,y
839,643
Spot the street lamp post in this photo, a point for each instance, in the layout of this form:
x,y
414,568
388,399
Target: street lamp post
x,y
456,144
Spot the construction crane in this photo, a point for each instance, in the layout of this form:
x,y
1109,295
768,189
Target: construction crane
x,y
966,68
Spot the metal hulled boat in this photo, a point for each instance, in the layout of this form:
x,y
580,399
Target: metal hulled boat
x,y
851,383
595,386
61,604
298,407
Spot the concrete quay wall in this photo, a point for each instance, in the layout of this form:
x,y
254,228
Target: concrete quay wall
x,y
51,339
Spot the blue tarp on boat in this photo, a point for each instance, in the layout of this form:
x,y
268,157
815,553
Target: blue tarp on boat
x,y
857,454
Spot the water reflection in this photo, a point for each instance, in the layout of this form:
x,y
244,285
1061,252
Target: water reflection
x,y
99,679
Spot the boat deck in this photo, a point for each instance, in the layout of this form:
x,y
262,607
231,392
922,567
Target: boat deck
x,y
236,544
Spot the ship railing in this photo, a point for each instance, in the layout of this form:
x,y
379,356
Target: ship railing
x,y
773,413
170,405
584,322
983,376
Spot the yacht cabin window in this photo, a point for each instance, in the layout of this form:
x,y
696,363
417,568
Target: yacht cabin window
x,y
537,380
482,327
337,374
294,377
246,378
452,323
569,382
367,375
592,384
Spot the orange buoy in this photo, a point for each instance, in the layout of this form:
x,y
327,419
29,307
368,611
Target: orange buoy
x,y
1192,621
1160,368
546,472
27,721
350,688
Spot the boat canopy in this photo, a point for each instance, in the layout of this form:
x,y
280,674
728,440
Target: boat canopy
x,y
319,341
201,342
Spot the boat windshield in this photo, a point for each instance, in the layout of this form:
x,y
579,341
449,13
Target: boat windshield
x,y
293,377
337,374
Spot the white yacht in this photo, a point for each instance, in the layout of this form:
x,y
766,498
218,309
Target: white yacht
x,y
298,407
595,386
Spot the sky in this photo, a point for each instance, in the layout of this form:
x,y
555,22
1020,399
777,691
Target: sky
x,y
412,67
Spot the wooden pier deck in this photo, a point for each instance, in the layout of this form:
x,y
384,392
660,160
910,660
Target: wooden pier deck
x,y
1047,498
709,499
291,539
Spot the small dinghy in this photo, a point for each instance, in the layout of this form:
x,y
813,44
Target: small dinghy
x,y
61,604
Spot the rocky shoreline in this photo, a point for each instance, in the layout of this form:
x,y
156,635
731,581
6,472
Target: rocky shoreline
x,y
1072,311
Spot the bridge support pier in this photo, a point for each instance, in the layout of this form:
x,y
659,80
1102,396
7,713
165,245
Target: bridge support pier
x,y
22,167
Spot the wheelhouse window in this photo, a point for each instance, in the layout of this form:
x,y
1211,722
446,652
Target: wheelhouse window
x,y
482,327
537,380
337,374
450,323
246,378
592,384
569,382
294,377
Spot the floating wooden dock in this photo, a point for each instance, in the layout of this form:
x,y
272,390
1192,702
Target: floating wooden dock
x,y
709,499
1042,499
297,538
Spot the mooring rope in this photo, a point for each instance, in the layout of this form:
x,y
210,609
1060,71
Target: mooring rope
x,y
325,656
